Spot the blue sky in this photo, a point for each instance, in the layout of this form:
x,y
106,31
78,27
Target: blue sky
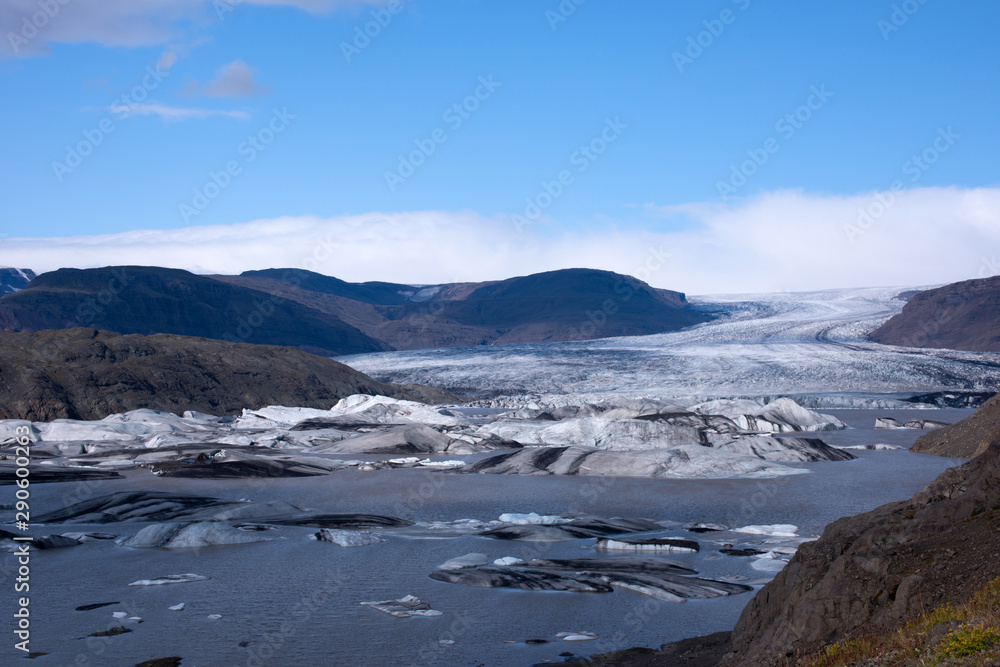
x,y
893,80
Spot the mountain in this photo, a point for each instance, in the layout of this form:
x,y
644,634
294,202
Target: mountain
x,y
12,279
83,373
965,439
332,317
569,304
961,316
148,300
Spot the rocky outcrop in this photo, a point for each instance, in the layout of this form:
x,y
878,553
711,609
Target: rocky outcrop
x,y
965,439
877,570
89,374
960,316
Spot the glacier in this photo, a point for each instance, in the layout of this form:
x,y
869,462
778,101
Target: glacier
x,y
805,344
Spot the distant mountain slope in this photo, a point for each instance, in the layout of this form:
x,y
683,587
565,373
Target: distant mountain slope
x,y
961,316
87,374
570,304
12,279
376,293
148,300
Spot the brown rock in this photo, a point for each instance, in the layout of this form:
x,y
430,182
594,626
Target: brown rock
x,y
89,374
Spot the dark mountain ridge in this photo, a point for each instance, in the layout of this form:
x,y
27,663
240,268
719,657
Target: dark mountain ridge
x,y
88,374
149,300
563,305
12,279
960,316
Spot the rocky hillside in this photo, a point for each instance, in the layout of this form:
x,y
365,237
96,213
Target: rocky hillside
x,y
88,374
871,573
148,300
961,316
570,304
966,439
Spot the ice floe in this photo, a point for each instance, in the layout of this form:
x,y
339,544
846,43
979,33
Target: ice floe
x,y
186,535
647,544
347,538
170,579
404,607
775,530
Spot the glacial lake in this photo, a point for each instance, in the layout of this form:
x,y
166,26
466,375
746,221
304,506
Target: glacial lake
x,y
294,601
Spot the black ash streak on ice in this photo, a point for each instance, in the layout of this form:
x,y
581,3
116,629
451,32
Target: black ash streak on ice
x,y
769,344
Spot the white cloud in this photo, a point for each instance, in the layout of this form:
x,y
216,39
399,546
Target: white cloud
x,y
172,113
233,80
782,241
175,52
128,23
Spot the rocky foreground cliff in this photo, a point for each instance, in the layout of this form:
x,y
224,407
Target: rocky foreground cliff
x,y
903,584
966,439
89,374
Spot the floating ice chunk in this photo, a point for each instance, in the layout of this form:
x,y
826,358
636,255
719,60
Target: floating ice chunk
x,y
177,607
404,607
533,518
182,535
120,614
442,464
878,447
647,545
170,579
347,538
576,636
385,410
507,561
705,527
406,460
776,530
214,617
769,562
782,415
462,562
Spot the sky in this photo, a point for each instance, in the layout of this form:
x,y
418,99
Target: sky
x,y
718,146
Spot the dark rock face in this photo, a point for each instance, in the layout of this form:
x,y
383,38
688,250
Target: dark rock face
x,y
88,374
696,652
151,300
881,568
12,280
551,306
961,316
966,439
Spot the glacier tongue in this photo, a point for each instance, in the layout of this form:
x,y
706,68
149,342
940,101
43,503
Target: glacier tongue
x,y
811,343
